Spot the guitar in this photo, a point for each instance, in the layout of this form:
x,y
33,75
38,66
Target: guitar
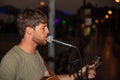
x,y
96,61
49,78
53,75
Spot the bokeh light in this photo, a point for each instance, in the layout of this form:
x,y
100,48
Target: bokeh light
x,y
42,3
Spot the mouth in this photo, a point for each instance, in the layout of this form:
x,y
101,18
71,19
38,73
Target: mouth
x,y
46,39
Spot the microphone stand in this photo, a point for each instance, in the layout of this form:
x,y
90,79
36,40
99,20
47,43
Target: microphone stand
x,y
86,75
73,63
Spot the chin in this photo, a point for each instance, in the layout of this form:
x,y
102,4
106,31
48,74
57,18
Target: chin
x,y
43,43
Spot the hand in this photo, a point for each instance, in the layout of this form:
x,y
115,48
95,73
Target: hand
x,y
91,71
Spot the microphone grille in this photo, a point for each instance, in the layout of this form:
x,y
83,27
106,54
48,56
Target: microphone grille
x,y
50,39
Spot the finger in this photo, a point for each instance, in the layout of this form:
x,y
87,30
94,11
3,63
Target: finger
x,y
91,66
92,72
91,76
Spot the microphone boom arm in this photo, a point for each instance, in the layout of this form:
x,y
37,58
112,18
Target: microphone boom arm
x,y
63,43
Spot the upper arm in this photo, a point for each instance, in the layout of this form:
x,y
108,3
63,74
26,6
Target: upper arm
x,y
8,68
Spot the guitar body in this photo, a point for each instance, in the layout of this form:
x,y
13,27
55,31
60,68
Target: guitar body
x,y
96,62
49,78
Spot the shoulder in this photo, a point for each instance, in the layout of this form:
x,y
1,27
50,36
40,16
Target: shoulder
x,y
11,57
8,65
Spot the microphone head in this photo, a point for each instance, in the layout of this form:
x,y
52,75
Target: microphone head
x,y
50,39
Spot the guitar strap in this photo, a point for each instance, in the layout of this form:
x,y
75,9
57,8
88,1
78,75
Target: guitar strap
x,y
49,70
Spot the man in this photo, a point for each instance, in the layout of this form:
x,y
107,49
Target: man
x,y
23,61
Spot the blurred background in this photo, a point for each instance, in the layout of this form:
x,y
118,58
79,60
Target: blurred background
x,y
91,25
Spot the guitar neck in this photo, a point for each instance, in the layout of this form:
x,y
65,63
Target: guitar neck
x,y
96,62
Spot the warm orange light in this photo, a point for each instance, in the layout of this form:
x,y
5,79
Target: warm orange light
x,y
110,12
42,3
117,1
96,21
106,16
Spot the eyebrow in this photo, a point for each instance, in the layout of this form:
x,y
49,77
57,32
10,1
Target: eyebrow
x,y
45,25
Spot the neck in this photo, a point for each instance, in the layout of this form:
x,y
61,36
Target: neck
x,y
28,46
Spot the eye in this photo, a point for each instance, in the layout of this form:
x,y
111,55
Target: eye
x,y
43,28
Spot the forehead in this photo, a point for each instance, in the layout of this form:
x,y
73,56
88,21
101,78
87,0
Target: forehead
x,y
42,25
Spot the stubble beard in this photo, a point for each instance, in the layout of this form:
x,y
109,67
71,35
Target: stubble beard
x,y
42,43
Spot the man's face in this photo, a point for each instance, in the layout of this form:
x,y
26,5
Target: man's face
x,y
40,34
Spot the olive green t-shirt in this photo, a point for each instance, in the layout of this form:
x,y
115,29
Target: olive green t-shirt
x,y
19,65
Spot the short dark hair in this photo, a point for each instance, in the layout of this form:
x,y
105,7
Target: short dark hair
x,y
29,17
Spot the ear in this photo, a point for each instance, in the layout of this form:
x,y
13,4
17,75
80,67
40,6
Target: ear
x,y
29,30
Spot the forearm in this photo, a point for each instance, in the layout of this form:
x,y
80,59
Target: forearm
x,y
66,77
69,77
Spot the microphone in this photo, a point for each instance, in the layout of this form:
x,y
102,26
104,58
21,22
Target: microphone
x,y
50,40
